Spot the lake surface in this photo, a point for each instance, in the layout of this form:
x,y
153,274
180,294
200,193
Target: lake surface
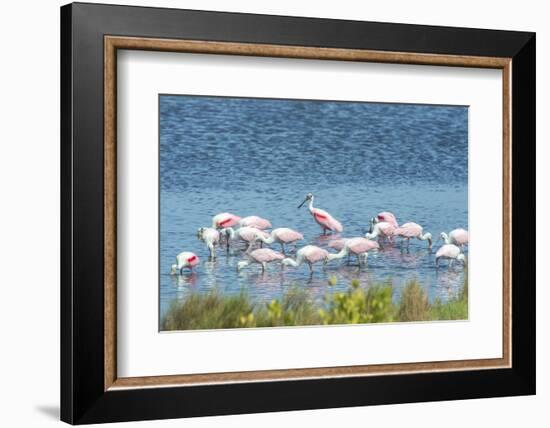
x,y
262,156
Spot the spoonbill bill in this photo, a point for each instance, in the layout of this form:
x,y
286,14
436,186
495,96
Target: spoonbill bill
x,y
360,247
323,218
282,235
255,221
413,230
245,234
224,220
309,254
450,252
262,256
211,237
458,237
382,229
184,260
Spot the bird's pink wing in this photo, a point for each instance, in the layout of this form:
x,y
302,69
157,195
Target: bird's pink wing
x,y
289,235
387,229
409,230
266,255
227,220
337,244
460,236
255,221
249,233
448,250
388,218
361,245
316,254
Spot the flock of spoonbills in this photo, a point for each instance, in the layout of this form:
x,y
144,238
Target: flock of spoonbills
x,y
229,228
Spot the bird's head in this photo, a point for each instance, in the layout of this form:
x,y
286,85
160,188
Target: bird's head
x,y
461,257
174,269
443,236
309,197
242,264
200,232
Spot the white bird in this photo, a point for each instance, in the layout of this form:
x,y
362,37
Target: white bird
x,y
450,252
186,259
211,237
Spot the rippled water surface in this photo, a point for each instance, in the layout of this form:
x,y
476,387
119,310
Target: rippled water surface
x,y
262,156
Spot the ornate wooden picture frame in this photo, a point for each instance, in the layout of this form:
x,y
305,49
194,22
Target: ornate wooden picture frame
x,y
91,390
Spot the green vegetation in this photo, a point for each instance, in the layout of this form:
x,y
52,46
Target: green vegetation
x,y
357,305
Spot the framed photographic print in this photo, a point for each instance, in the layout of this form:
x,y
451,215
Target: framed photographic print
x,y
265,213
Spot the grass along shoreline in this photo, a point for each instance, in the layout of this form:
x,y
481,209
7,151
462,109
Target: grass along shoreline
x,y
356,305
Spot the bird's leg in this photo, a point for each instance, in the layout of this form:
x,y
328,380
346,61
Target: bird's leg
x,y
264,265
310,267
212,250
283,248
358,261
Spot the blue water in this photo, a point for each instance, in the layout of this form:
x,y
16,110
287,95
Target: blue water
x,y
262,156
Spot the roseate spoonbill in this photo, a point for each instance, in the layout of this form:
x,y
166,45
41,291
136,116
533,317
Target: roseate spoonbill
x,y
211,237
384,216
309,254
184,260
413,230
262,256
223,220
382,229
457,237
358,246
451,252
246,234
323,218
255,221
282,235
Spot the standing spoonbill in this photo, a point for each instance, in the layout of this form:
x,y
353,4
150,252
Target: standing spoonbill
x,y
381,230
223,220
282,235
413,230
184,260
358,246
255,221
245,234
458,237
385,216
262,256
309,254
211,237
451,252
323,218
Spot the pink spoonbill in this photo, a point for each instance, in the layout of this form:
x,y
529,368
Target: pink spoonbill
x,y
413,230
223,220
255,221
457,237
381,230
323,218
450,252
211,237
309,254
385,216
262,256
245,234
185,260
282,235
360,247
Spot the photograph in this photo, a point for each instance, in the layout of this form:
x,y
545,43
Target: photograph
x,y
293,212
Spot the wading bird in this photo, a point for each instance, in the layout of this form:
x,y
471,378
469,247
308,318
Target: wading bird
x,y
360,247
255,221
450,252
211,237
381,230
385,216
457,237
282,235
323,218
223,220
262,256
245,234
184,260
309,254
413,230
